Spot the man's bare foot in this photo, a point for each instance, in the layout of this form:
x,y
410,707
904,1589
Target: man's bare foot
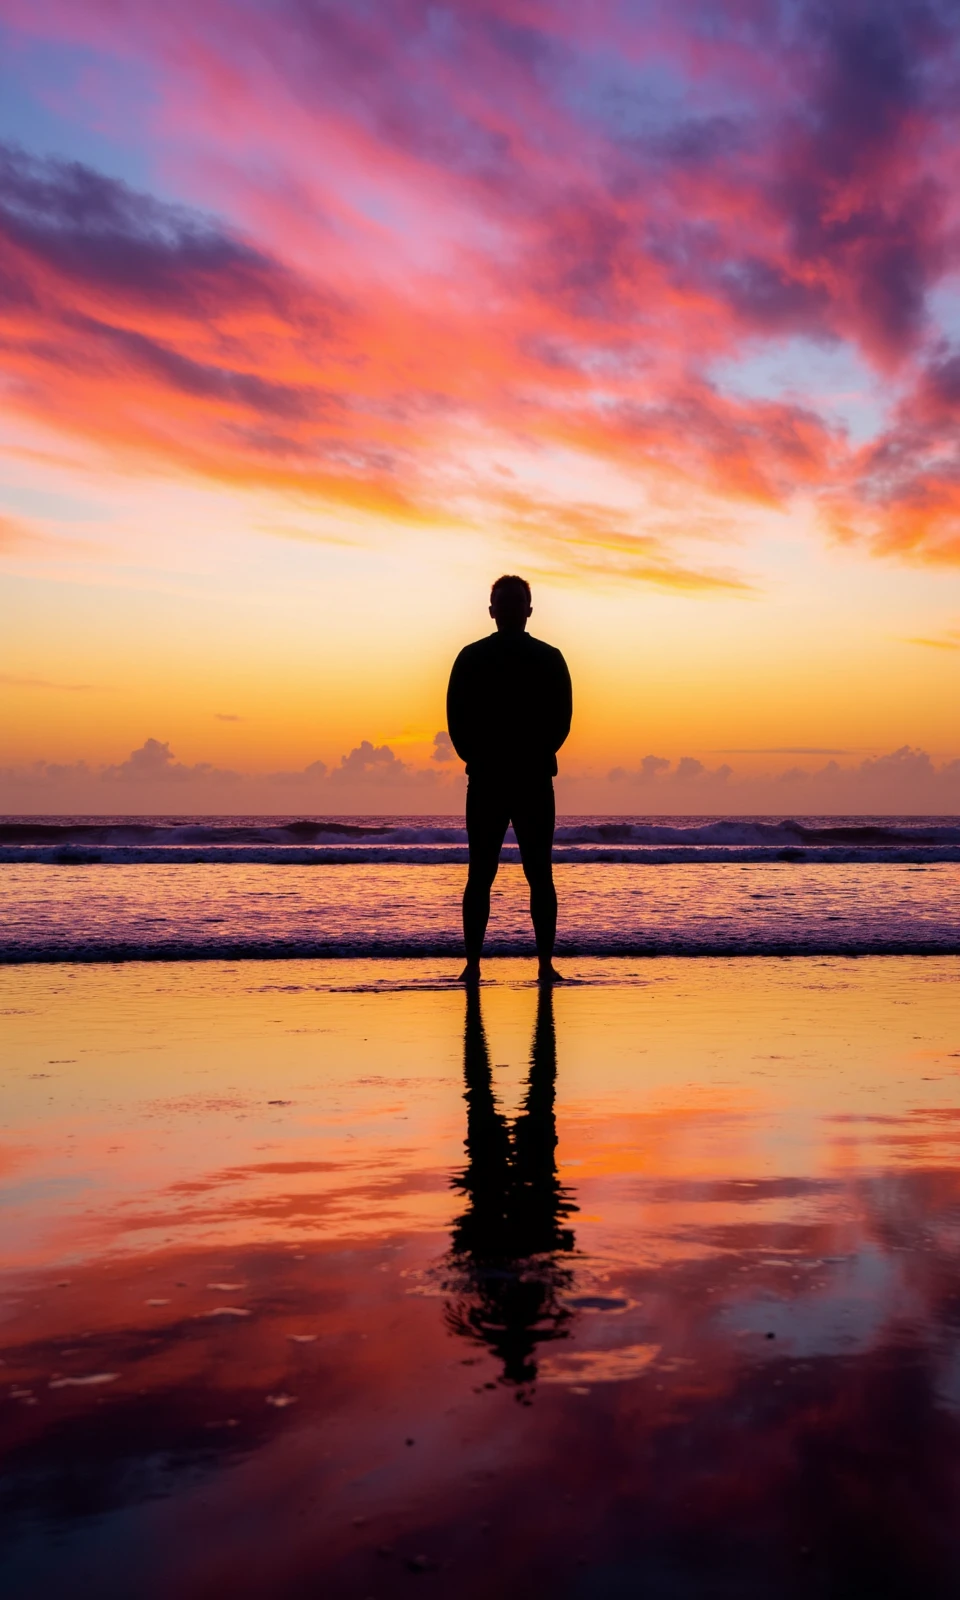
x,y
549,974
470,973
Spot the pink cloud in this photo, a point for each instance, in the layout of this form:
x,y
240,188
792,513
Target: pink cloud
x,y
443,232
154,764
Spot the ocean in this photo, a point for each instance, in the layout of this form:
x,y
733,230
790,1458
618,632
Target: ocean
x,y
189,888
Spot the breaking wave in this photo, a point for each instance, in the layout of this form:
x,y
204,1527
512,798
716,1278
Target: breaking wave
x,y
436,841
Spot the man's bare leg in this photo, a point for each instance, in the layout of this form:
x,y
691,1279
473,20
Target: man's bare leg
x,y
533,824
543,915
476,914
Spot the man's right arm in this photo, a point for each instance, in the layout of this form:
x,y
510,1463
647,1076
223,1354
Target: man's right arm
x,y
561,703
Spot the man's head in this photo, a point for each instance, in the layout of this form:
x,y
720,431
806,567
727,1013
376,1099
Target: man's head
x,y
510,603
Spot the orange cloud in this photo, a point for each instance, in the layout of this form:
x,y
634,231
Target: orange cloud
x,y
948,643
9,680
584,538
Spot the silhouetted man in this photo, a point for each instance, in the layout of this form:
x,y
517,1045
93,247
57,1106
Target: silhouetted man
x,y
509,706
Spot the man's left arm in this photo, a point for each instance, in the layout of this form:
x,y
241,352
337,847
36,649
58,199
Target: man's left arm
x,y
460,709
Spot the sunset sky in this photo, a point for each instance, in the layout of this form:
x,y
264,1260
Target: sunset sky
x,y
316,317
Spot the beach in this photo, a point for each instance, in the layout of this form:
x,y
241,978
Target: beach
x,y
479,800
320,1277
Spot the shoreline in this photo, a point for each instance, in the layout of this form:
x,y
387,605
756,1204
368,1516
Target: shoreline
x,y
161,955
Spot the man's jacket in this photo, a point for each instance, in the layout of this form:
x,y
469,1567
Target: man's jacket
x,y
509,706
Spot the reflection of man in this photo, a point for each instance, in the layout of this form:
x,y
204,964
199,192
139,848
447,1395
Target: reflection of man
x,y
509,706
506,1244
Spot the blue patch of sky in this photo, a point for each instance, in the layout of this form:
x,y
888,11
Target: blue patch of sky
x,y
29,502
36,1189
641,102
43,109
828,379
943,309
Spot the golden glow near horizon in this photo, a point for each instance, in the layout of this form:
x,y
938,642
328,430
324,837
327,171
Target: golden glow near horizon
x,y
291,378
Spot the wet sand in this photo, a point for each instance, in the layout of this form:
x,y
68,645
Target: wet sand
x,y
319,1280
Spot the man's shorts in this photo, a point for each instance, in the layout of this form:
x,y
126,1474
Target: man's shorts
x,y
492,804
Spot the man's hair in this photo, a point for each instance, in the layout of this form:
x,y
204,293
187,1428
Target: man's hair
x,y
513,586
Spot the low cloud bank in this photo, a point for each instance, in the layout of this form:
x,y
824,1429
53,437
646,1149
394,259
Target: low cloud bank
x,y
372,779
369,779
906,781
